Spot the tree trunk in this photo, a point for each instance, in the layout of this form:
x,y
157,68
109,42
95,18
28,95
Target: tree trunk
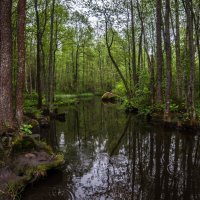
x,y
135,75
159,51
114,62
6,106
168,58
179,77
39,89
190,97
197,34
21,60
50,91
75,84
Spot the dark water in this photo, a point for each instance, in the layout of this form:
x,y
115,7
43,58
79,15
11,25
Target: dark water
x,y
113,156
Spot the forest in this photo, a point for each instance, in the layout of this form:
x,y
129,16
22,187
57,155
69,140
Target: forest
x,y
145,53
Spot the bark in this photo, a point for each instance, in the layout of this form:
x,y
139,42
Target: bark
x,y
151,70
21,61
168,58
135,76
100,66
39,89
50,78
54,58
6,106
75,81
128,69
196,17
159,51
178,52
190,96
40,54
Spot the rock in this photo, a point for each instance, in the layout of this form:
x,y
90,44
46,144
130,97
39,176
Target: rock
x,y
44,122
36,136
109,96
30,155
47,112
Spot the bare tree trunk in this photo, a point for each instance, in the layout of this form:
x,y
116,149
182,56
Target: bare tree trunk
x,y
168,58
196,18
159,50
100,66
50,78
40,33
54,58
75,83
190,97
179,77
129,55
6,106
39,89
135,75
21,60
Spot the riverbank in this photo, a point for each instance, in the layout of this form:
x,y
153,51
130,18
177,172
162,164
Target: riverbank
x,y
23,160
101,142
178,118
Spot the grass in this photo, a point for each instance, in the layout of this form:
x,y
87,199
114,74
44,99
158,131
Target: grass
x,y
71,99
73,96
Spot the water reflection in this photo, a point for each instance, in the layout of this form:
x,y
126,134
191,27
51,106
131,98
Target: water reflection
x,y
113,156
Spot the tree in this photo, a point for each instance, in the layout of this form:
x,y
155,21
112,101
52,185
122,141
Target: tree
x,y
39,36
21,60
6,105
51,74
159,55
190,43
135,76
178,53
168,57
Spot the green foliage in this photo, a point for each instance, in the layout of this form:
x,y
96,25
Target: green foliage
x,y
146,111
26,129
30,105
71,99
198,111
174,107
158,108
20,144
119,89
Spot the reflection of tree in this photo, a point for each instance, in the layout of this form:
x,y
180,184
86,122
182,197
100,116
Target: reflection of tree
x,y
144,162
122,136
50,135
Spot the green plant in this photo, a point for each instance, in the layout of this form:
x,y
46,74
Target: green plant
x,y
145,111
174,107
26,129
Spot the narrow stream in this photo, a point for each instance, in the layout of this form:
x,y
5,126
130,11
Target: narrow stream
x,y
110,155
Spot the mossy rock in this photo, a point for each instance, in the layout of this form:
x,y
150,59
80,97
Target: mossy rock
x,y
16,181
30,121
110,97
27,161
27,144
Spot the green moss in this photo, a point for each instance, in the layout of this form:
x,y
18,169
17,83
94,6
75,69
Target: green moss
x,y
14,188
27,143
